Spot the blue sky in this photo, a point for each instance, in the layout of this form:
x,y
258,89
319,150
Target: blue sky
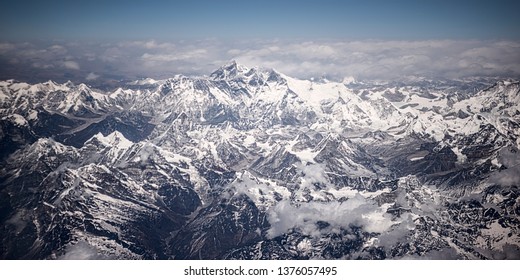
x,y
168,20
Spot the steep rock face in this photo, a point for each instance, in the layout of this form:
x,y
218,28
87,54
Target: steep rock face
x,y
100,194
253,164
235,222
14,134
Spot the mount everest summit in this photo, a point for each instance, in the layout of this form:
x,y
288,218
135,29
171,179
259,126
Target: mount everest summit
x,y
253,164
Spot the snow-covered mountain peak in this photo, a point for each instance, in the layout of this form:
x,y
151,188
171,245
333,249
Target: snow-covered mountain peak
x,y
115,139
83,88
229,71
44,147
69,84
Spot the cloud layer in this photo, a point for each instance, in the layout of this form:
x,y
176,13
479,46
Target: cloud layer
x,y
363,60
357,211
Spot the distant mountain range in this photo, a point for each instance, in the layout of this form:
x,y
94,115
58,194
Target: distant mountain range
x,y
253,164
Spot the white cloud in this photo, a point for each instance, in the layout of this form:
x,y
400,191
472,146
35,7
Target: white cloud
x,y
91,76
57,49
356,211
4,47
311,174
70,64
511,175
81,251
182,55
398,233
111,55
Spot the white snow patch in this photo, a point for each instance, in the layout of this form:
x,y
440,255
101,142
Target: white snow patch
x,y
114,139
461,158
16,119
33,115
249,140
416,158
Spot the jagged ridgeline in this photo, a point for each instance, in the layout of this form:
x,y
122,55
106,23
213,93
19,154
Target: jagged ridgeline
x,y
253,164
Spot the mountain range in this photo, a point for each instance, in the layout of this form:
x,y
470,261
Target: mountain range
x,y
249,163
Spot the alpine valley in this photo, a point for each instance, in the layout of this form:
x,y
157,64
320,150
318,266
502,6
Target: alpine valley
x,y
253,164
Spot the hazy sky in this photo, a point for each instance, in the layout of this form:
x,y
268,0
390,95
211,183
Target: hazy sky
x,y
96,40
